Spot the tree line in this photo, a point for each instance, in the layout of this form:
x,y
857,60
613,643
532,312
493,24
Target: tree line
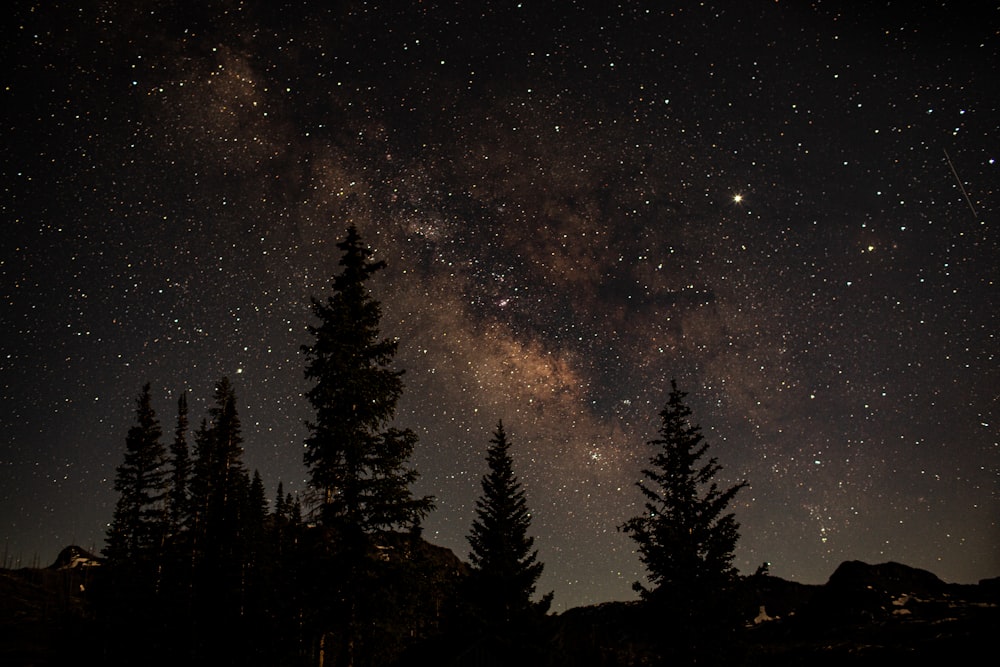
x,y
200,567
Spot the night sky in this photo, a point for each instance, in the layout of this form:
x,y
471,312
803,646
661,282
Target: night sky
x,y
789,207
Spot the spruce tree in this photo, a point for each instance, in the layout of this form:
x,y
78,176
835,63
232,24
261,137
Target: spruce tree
x,y
219,480
138,525
255,518
180,464
686,538
128,590
505,567
357,463
295,519
280,509
227,436
176,600
220,530
200,489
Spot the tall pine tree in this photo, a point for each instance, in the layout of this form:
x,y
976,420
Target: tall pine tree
x,y
255,520
357,462
180,471
505,566
686,539
128,591
219,534
219,478
137,529
200,489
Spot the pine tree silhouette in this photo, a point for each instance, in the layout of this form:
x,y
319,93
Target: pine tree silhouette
x,y
686,539
357,462
503,619
505,566
137,529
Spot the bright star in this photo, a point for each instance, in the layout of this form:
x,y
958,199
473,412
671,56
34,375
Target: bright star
x,y
737,199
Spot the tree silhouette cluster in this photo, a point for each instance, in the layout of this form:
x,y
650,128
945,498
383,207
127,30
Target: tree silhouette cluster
x,y
201,568
193,556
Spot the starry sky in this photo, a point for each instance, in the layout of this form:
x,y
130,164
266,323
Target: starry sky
x,y
789,207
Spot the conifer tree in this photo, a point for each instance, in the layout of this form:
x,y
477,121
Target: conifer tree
x,y
177,580
129,592
258,498
255,556
137,528
180,464
219,479
279,525
685,537
357,462
228,443
505,567
280,508
200,488
255,516
295,518
220,527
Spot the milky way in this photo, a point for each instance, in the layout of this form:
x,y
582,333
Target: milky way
x,y
788,209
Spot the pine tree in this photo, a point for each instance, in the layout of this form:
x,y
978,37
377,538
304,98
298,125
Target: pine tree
x,y
230,473
220,530
180,464
280,508
200,489
295,519
137,529
129,593
176,600
685,537
505,566
286,582
219,479
256,554
256,516
357,463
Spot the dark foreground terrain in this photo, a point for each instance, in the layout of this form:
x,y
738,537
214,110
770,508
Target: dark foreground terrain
x,y
864,615
876,615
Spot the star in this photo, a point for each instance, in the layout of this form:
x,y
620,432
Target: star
x,y
535,276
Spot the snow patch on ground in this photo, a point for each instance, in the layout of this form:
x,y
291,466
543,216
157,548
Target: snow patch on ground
x,y
763,617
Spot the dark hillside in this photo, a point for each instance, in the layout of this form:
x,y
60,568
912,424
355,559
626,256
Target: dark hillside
x,y
44,615
864,615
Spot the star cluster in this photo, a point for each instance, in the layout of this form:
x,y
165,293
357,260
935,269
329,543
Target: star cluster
x,y
787,207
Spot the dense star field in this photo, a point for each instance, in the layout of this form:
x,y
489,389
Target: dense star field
x,y
789,207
